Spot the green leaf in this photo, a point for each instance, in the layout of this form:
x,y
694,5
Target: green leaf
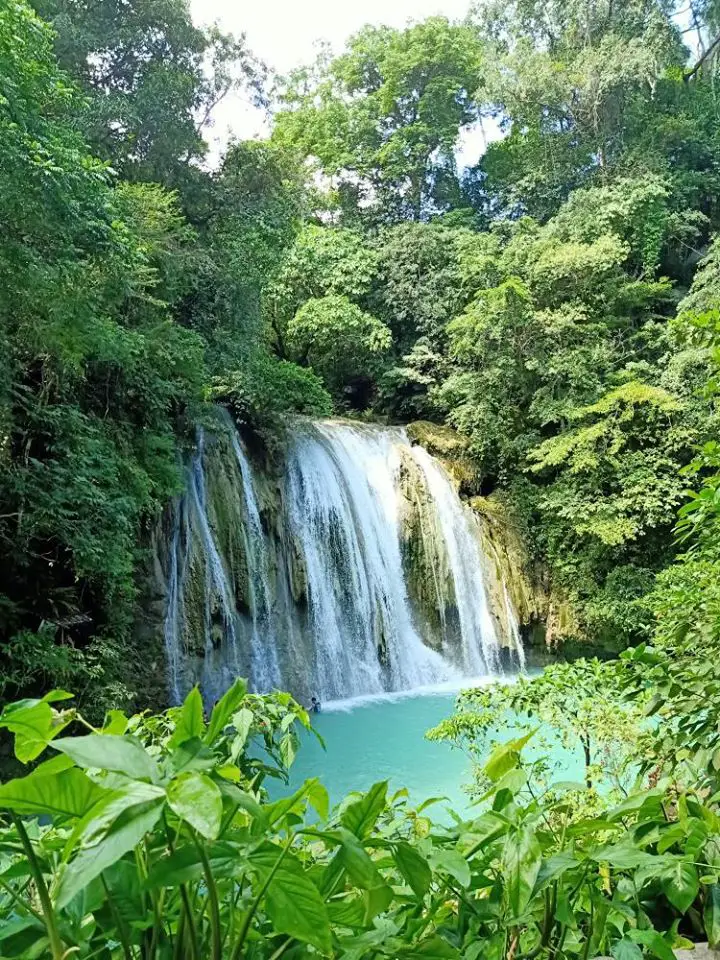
x,y
192,755
626,950
68,793
125,834
274,812
185,865
190,723
356,861
433,948
289,746
122,795
34,724
319,799
196,799
521,862
625,856
502,759
505,757
347,912
554,867
107,752
223,710
242,721
680,884
115,722
452,862
654,942
711,915
292,901
413,866
361,816
650,799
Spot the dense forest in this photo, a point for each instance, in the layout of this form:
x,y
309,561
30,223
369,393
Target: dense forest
x,y
553,304
556,305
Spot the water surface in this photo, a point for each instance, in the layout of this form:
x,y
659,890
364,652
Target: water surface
x,y
383,738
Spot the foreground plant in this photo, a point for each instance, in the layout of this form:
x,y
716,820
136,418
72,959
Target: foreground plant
x,y
154,837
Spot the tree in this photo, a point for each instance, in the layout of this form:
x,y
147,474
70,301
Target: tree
x,y
96,382
573,85
381,120
340,342
152,78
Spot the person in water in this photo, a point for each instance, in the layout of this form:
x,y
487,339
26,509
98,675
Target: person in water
x,y
314,704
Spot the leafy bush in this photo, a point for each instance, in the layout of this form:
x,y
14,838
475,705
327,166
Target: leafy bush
x,y
266,388
157,839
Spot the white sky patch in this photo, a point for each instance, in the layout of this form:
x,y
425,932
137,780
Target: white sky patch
x,y
285,34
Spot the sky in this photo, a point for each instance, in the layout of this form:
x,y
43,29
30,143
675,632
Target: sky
x,y
284,34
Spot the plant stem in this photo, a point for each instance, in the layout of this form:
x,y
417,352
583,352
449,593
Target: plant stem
x,y
237,952
122,931
281,949
214,903
190,922
22,904
56,944
186,916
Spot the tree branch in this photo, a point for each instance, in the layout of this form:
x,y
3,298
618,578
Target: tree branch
x,y
710,50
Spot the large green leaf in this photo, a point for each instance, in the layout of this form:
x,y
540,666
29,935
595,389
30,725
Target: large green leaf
x,y
554,867
185,865
190,723
626,950
192,755
432,948
107,752
680,884
196,799
413,866
654,942
505,757
34,724
274,812
67,793
648,800
453,863
292,901
125,834
123,795
223,710
356,860
521,862
319,799
711,914
625,856
361,816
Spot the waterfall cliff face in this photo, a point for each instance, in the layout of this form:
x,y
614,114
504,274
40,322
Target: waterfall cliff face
x,y
353,569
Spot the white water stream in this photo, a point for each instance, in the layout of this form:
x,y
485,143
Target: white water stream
x,y
327,607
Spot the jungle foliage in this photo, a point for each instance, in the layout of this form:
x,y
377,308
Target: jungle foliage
x,y
553,301
557,303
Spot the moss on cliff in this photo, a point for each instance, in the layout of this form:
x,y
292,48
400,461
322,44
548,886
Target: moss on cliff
x,y
450,448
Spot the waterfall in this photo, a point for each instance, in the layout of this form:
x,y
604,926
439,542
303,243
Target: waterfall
x,y
353,568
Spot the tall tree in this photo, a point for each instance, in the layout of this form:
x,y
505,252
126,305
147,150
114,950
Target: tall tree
x,y
152,77
382,120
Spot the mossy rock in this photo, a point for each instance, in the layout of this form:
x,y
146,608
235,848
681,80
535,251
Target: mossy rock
x,y
442,442
427,570
450,448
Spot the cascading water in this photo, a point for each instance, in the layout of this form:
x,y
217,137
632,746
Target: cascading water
x,y
309,581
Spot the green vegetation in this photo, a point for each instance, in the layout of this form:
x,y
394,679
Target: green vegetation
x,y
553,303
551,314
